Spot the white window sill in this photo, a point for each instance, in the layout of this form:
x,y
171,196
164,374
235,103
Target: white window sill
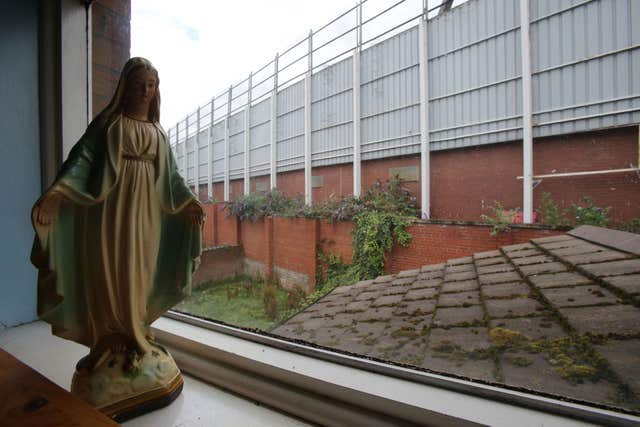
x,y
319,386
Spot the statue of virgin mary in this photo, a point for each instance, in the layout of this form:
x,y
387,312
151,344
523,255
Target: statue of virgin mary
x,y
118,236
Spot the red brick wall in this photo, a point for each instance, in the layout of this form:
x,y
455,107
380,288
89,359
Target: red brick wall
x,y
374,170
236,188
252,239
337,181
466,182
294,244
610,149
218,264
336,238
291,183
218,191
111,42
209,225
253,181
435,243
228,230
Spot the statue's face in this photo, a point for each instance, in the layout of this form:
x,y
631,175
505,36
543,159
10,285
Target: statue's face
x,y
141,89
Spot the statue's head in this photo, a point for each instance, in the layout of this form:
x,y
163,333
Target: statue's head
x,y
138,87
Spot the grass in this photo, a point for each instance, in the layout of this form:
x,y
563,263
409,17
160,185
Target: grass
x,y
238,301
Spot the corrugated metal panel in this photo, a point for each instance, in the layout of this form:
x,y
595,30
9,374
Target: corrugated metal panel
x,y
261,111
585,60
203,155
478,107
390,93
574,76
290,127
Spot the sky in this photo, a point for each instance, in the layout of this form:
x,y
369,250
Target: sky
x,y
200,47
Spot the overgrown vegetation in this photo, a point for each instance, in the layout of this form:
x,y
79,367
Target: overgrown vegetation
x,y
240,301
586,213
501,220
381,216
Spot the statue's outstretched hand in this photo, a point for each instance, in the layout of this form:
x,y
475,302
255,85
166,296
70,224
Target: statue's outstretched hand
x,y
46,211
195,213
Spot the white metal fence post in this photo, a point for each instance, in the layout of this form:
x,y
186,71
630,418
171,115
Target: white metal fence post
x,y
527,127
425,152
226,146
185,158
247,139
274,129
210,153
196,156
356,105
307,123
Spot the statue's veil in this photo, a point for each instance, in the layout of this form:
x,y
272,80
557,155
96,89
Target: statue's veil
x,y
115,106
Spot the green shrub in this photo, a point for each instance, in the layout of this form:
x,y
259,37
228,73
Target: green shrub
x,y
501,219
632,226
589,214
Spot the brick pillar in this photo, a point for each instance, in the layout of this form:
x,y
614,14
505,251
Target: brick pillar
x,y
214,222
316,239
268,242
111,34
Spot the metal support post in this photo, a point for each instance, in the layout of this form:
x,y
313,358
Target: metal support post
x,y
196,156
307,123
527,126
185,158
356,105
247,139
425,152
274,129
226,146
210,153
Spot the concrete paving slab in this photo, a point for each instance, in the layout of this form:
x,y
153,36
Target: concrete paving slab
x,y
431,267
356,306
459,299
457,277
595,257
516,307
429,275
518,247
403,281
584,248
495,278
458,316
456,261
614,268
415,308
525,253
374,314
548,267
550,239
467,285
460,268
532,328
387,300
397,289
432,283
481,262
496,268
629,283
469,338
536,259
579,296
506,290
561,243
487,254
613,319
408,273
541,376
368,295
621,356
442,362
559,279
418,294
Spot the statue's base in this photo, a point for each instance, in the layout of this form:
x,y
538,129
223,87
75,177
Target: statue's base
x,y
123,389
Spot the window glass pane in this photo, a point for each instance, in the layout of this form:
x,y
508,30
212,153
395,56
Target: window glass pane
x,y
550,309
